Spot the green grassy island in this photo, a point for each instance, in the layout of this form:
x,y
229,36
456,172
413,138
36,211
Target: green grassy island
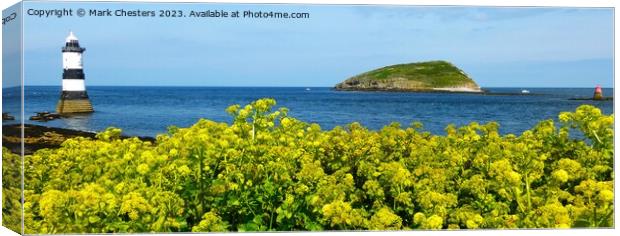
x,y
429,76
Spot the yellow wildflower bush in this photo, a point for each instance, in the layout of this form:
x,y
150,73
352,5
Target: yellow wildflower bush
x,y
267,171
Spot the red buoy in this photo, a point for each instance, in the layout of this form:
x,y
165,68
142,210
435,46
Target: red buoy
x,y
598,93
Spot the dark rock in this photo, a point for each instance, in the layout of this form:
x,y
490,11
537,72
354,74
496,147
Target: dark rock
x,y
45,116
38,137
6,116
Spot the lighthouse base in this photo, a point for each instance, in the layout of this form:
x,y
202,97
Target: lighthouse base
x,y
66,106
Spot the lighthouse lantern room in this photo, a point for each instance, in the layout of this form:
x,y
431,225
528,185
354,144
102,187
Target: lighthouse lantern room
x,y
73,98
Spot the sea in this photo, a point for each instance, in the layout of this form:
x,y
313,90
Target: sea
x,y
148,111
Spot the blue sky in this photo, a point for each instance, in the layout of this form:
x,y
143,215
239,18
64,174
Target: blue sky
x,y
497,47
11,48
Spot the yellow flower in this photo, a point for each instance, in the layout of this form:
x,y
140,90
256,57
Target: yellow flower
x,y
143,169
418,218
385,219
173,152
184,170
128,156
560,175
211,222
606,195
433,222
471,224
564,116
514,178
286,122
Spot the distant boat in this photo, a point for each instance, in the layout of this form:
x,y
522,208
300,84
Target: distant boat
x,y
307,89
525,91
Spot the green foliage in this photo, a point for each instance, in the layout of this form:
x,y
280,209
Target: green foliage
x,y
210,222
11,191
430,73
267,171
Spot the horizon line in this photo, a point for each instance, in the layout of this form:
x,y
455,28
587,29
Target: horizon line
x,y
274,86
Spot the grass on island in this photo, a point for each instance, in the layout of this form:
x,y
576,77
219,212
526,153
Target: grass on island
x,y
435,74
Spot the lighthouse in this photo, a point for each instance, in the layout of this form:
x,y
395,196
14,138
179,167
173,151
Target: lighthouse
x,y
73,98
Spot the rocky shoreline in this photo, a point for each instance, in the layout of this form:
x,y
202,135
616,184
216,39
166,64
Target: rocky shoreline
x,y
38,137
390,88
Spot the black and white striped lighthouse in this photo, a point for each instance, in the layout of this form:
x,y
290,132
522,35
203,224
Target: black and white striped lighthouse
x,y
73,98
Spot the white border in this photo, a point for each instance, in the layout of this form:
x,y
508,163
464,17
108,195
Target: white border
x,y
559,3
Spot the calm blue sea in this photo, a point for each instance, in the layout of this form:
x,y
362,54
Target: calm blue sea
x,y
147,111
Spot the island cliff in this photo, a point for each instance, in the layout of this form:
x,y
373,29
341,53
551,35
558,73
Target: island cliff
x,y
429,76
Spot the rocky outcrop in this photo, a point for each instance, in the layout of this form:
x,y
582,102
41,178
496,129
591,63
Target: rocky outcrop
x,y
37,137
